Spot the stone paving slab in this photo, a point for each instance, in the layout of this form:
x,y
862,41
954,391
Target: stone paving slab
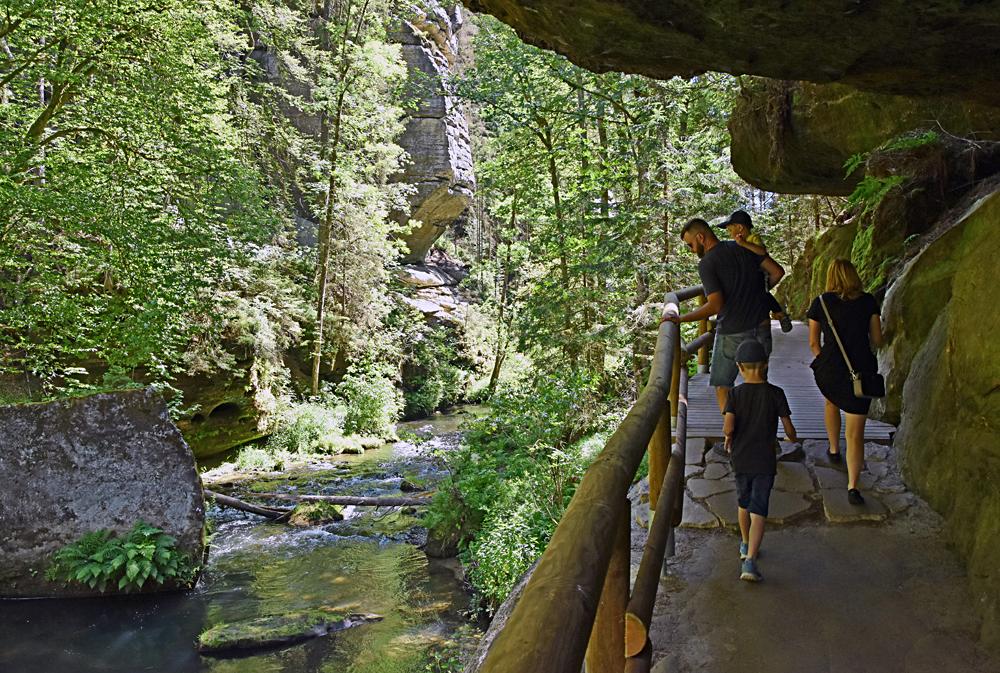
x,y
838,510
786,507
793,477
703,488
898,502
723,505
829,478
716,471
713,456
696,515
694,451
791,452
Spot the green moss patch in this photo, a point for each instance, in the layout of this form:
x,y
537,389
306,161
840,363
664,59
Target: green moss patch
x,y
277,630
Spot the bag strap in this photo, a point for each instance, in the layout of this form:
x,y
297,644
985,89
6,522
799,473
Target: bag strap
x,y
836,336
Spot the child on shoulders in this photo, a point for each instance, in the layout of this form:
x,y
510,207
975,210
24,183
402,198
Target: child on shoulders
x,y
740,228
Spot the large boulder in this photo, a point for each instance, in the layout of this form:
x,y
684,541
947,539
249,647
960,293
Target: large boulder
x,y
918,48
794,137
436,136
944,387
81,465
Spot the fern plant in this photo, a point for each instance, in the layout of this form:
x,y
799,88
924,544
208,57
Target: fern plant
x,y
101,559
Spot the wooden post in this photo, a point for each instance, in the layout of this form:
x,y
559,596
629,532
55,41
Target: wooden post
x,y
659,456
675,383
606,649
704,351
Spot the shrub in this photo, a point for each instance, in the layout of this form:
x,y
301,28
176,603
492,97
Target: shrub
x,y
307,428
373,403
255,458
509,484
101,558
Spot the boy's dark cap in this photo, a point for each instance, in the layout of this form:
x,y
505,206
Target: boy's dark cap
x,y
738,217
749,351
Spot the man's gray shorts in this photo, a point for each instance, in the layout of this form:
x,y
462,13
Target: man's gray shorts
x,y
724,369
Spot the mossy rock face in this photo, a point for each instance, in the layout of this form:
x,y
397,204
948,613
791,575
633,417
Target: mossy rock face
x,y
944,374
919,48
808,276
794,137
277,631
224,414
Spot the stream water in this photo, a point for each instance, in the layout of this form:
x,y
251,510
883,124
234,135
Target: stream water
x,y
367,563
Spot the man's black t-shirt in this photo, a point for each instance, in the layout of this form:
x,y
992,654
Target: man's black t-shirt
x,y
757,407
735,271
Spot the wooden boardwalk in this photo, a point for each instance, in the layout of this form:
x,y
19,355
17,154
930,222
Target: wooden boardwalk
x,y
788,368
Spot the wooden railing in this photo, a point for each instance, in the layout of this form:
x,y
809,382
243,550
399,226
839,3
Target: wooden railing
x,y
577,604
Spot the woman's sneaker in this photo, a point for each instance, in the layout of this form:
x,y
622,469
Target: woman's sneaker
x,y
749,572
854,497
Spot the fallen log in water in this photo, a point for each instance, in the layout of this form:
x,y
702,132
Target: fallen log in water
x,y
276,513
363,501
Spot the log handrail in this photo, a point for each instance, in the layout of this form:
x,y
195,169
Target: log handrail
x,y
550,626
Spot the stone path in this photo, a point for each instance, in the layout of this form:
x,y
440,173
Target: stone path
x,y
846,589
806,483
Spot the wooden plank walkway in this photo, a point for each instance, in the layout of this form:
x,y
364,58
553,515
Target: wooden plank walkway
x,y
789,369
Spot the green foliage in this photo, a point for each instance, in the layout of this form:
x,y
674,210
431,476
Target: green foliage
x,y
508,485
434,378
871,190
307,428
101,560
372,400
259,459
126,189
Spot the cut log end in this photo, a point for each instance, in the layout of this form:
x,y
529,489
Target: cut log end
x,y
635,635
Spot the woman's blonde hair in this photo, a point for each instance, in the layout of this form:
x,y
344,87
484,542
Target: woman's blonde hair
x,y
843,279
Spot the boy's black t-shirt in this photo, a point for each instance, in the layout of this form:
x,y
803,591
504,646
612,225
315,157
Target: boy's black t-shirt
x,y
735,271
757,407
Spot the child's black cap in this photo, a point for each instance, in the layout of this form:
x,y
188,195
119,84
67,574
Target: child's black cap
x,y
738,217
749,351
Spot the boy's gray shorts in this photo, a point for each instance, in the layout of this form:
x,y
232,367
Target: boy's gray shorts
x,y
723,368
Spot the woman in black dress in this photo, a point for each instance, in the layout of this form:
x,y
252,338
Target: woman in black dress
x,y
855,314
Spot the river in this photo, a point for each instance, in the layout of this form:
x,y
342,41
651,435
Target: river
x,y
369,563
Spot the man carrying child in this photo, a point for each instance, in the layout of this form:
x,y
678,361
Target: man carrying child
x,y
751,420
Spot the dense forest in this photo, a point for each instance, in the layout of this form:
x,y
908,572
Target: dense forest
x,y
212,192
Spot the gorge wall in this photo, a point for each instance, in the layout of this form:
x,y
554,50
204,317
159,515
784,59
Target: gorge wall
x,y
874,72
439,168
437,133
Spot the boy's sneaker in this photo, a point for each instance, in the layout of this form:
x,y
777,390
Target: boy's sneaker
x,y
749,571
743,551
786,323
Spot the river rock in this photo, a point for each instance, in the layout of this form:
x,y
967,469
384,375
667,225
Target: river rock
x,y
275,631
76,466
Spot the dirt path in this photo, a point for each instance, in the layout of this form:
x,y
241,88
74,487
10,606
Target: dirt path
x,y
884,596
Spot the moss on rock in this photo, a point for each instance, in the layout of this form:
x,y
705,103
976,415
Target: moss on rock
x,y
945,378
278,630
794,137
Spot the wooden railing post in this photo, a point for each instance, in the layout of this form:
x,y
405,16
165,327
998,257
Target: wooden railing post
x,y
659,456
606,649
704,353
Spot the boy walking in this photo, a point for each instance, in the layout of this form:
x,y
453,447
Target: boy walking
x,y
751,420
